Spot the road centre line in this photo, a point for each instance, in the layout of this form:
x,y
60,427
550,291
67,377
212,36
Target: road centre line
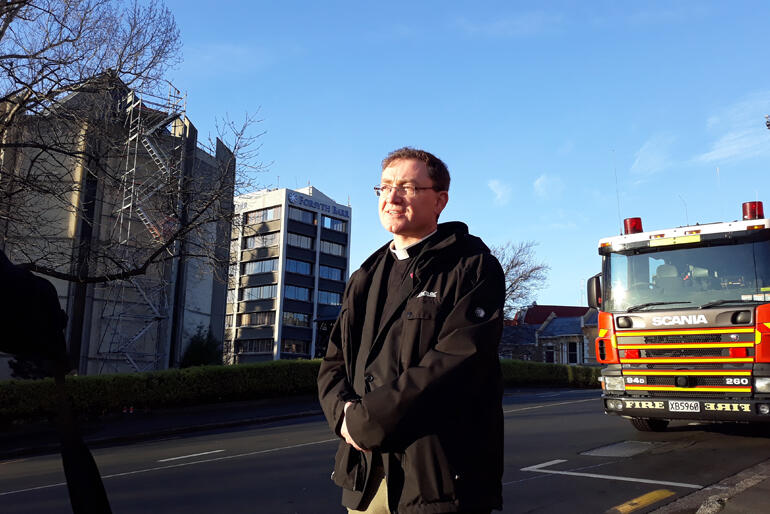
x,y
190,456
549,405
182,464
539,468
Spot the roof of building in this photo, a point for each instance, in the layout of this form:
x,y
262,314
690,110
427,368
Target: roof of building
x,y
562,327
591,318
518,334
537,314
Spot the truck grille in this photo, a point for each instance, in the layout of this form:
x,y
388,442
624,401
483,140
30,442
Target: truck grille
x,y
696,381
687,352
684,339
693,394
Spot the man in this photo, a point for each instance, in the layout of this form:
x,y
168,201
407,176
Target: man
x,y
411,379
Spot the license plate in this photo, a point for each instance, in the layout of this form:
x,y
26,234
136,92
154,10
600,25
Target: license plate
x,y
682,406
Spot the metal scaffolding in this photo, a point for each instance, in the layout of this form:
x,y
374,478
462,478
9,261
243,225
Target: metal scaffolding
x,y
134,310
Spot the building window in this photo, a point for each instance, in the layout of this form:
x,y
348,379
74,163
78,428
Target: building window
x,y
296,319
257,318
254,346
231,296
549,354
261,240
330,273
301,267
295,346
332,248
302,215
329,298
298,293
335,224
258,293
228,321
299,241
572,353
262,215
266,266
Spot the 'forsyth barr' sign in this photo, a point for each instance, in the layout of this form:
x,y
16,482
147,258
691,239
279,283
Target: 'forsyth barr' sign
x,y
298,199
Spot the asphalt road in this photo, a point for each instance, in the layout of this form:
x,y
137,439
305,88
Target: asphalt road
x,y
562,455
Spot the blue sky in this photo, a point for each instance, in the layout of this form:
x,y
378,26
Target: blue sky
x,y
556,119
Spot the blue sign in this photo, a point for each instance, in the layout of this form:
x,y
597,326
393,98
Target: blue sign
x,y
299,199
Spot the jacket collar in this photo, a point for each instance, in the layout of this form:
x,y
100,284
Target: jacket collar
x,y
446,235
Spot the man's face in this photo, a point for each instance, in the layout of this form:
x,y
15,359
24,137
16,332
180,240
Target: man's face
x,y
410,218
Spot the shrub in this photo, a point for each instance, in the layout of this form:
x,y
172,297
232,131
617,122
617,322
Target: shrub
x,y
101,394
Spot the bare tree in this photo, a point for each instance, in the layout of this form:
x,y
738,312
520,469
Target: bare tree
x,y
103,178
66,70
523,274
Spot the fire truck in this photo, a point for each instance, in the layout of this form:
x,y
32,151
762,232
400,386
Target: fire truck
x,y
684,321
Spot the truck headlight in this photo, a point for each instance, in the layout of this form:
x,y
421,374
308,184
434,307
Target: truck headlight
x,y
614,384
762,384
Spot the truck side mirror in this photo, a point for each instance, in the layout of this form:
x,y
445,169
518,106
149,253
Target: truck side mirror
x,y
594,292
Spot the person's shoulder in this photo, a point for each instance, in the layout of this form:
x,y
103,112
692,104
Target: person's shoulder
x,y
465,244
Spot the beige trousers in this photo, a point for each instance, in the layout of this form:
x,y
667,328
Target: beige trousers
x,y
379,502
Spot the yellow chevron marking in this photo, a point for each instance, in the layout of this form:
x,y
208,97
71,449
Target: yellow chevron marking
x,y
641,502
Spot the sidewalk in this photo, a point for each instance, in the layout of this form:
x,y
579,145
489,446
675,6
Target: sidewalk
x,y
41,438
743,493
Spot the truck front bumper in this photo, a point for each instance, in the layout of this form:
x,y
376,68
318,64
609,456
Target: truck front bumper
x,y
703,409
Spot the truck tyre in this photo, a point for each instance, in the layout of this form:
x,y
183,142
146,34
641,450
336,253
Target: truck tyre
x,y
649,425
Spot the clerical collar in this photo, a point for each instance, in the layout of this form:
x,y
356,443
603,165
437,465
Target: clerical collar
x,y
403,253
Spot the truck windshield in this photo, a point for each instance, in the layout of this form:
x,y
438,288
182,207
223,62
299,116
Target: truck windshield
x,y
661,278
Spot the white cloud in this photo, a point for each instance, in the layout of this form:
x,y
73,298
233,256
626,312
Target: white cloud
x,y
548,186
653,156
742,130
513,26
736,145
501,190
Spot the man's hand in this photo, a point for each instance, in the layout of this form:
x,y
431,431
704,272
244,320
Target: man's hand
x,y
344,430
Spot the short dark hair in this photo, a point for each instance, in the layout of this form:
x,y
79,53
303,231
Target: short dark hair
x,y
437,170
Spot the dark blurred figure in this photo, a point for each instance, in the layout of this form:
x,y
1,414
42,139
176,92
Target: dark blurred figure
x,y
32,327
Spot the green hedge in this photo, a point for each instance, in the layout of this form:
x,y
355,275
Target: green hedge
x,y
104,394
540,374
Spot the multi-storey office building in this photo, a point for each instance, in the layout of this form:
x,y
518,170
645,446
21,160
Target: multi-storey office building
x,y
289,263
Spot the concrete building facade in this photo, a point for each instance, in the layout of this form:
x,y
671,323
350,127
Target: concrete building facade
x,y
150,178
290,254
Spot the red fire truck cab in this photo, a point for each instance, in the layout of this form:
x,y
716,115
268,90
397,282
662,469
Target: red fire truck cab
x,y
684,321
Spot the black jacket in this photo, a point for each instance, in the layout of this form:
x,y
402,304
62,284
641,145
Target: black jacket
x,y
426,382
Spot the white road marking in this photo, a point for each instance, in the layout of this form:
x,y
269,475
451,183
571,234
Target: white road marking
x,y
171,466
190,456
539,469
550,405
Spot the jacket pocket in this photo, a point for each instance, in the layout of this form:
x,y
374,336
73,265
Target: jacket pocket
x,y
428,475
349,468
419,329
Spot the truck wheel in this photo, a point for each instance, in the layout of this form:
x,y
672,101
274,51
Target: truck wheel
x,y
649,425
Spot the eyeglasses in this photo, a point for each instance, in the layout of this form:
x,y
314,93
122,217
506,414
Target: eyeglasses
x,y
407,191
